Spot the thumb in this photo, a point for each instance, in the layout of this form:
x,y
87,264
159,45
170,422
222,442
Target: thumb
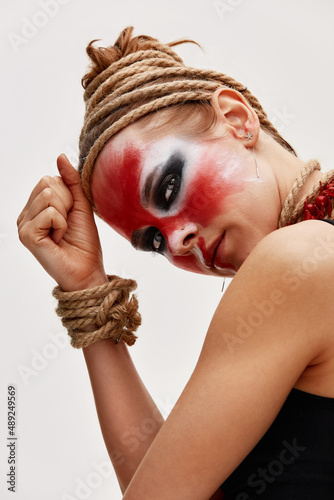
x,y
71,177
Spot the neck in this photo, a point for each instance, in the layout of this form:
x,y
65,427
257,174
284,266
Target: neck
x,y
284,166
300,194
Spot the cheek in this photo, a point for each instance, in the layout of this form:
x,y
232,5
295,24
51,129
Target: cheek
x,y
207,196
115,188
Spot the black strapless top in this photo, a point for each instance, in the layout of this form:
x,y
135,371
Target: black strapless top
x,y
295,458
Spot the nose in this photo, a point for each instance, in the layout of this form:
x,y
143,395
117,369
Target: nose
x,y
182,239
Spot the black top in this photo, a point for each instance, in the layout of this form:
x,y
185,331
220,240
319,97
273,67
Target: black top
x,y
295,458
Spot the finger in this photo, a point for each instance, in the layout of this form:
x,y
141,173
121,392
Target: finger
x,y
58,233
46,198
71,177
42,184
36,232
56,183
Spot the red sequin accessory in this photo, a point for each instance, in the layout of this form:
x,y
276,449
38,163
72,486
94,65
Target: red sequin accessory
x,y
323,204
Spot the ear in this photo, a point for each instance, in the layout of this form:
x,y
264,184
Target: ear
x,y
233,110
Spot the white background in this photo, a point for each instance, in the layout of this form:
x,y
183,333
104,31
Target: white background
x,y
282,51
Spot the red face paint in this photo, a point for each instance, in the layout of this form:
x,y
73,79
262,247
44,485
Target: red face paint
x,y
209,181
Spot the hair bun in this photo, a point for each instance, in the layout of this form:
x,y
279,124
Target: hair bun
x,y
138,76
102,57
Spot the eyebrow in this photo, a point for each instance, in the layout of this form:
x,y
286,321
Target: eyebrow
x,y
135,238
148,187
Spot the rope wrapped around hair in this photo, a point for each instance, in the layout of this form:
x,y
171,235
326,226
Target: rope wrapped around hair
x,y
108,309
142,79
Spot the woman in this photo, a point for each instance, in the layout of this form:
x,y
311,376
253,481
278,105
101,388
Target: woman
x,y
185,162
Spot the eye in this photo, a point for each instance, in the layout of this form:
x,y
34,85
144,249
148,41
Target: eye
x,y
153,240
169,189
157,241
168,184
149,239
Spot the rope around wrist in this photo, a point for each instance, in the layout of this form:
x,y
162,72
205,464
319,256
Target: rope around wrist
x,y
107,309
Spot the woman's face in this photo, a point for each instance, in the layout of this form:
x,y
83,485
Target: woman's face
x,y
197,202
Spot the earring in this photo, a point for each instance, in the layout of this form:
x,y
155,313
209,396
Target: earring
x,y
223,285
257,168
249,136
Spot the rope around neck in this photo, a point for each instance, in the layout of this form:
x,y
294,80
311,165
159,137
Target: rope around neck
x,y
293,207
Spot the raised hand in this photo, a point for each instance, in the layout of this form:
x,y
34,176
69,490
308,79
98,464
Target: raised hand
x,y
57,225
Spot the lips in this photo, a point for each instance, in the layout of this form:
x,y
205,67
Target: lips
x,y
219,259
214,256
220,243
210,253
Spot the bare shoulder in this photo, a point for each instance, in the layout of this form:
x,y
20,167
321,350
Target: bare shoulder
x,y
307,273
298,253
267,330
280,301
283,293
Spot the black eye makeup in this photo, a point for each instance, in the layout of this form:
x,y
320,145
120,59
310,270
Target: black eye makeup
x,y
161,189
167,187
164,190
149,240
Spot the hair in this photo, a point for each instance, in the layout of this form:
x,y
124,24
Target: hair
x,y
138,76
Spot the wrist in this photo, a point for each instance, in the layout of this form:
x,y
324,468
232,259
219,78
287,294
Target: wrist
x,y
95,279
106,310
102,345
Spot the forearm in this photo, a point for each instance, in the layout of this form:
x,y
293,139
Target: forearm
x,y
57,225
128,416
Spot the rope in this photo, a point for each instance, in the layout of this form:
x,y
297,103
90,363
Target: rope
x,y
135,85
130,117
293,208
107,310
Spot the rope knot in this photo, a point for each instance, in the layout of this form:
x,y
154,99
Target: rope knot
x,y
101,312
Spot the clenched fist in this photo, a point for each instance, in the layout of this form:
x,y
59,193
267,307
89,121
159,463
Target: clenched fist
x,y
57,225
